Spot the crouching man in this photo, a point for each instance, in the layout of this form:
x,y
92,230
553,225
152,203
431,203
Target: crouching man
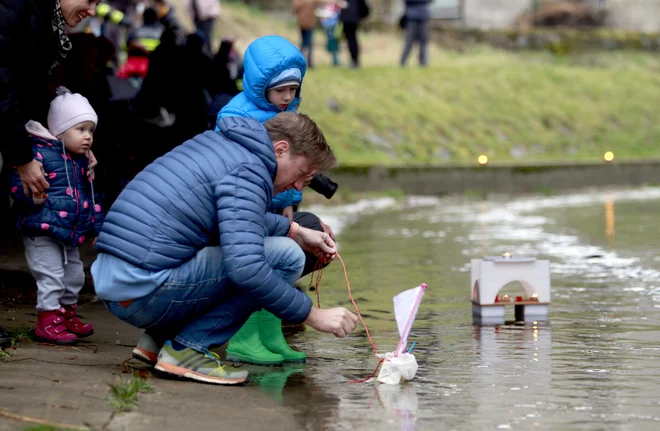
x,y
189,250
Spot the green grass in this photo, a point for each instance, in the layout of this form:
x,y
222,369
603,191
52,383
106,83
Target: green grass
x,y
22,333
514,107
510,107
124,395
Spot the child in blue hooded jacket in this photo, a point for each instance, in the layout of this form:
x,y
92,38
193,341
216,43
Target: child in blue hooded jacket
x,y
272,79
53,225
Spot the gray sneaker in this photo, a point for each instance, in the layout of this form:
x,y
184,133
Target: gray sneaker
x,y
146,350
203,367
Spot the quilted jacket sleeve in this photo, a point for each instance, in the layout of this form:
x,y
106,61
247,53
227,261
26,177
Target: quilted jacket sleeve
x,y
242,206
277,225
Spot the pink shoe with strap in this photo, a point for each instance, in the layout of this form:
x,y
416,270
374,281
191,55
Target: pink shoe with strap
x,y
74,324
51,328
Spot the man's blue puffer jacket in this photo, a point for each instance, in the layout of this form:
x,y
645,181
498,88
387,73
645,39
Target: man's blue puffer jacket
x,y
213,189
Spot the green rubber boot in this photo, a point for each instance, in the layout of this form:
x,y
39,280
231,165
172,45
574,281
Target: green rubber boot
x,y
246,346
270,330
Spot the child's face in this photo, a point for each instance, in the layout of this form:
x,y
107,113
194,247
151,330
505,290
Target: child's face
x,y
282,96
78,139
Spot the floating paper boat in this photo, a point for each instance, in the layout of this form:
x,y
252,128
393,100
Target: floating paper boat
x,y
399,365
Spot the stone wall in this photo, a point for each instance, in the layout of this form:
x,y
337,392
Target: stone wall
x,y
508,179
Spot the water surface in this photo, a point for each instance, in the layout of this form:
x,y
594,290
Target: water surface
x,y
594,365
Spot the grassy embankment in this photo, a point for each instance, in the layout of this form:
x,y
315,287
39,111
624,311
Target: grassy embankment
x,y
515,108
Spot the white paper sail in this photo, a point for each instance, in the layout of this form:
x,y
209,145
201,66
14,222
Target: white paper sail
x,y
399,366
406,305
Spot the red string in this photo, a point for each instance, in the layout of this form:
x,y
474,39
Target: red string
x,y
319,267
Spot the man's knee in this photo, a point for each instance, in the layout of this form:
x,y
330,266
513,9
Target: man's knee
x,y
285,256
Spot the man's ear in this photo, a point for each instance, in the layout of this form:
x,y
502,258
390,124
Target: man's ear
x,y
280,147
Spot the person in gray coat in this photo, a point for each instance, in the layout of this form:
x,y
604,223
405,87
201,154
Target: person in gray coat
x,y
417,19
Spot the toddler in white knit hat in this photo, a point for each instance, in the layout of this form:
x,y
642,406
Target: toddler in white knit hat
x,y
72,120
53,226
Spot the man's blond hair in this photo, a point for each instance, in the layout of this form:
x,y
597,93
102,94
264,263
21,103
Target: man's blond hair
x,y
304,138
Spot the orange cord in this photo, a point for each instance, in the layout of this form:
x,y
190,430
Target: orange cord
x,y
319,267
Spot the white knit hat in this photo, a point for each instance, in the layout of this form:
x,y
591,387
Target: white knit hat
x,y
67,110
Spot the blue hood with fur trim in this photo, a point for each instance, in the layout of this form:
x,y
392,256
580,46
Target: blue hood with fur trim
x,y
265,59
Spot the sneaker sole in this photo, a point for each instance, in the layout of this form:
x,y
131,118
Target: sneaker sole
x,y
189,374
248,360
148,358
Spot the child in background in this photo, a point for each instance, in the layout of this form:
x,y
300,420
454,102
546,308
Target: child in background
x,y
329,16
53,225
272,79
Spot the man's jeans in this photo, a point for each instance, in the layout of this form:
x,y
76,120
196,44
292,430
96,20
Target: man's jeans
x,y
198,306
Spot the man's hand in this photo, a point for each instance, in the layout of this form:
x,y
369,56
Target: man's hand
x,y
338,321
288,212
320,244
327,229
92,159
92,164
33,177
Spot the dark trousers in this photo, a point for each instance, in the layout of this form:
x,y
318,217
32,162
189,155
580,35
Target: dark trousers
x,y
206,28
350,33
310,221
416,31
306,44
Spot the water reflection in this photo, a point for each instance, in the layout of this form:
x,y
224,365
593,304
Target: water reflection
x,y
595,368
513,364
609,219
272,380
399,400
